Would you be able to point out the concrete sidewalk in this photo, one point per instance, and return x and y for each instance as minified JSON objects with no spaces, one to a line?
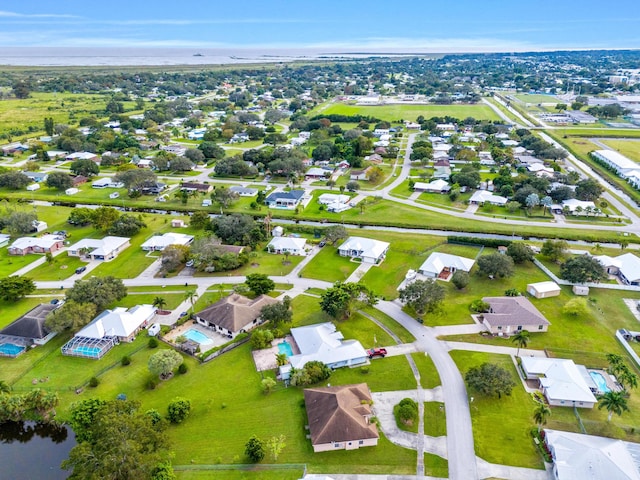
{"x":480,"y":347}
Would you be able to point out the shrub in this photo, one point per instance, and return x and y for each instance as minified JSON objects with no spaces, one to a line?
{"x":460,"y":279}
{"x":94,"y":382}
{"x":261,"y":339}
{"x":153,"y":342}
{"x":512,"y":292}
{"x":254,"y":449}
{"x":152,"y":383}
{"x":268,"y":384}
{"x":126,"y":360}
{"x":478,"y":306}
{"x":179,"y":410}
{"x":154,"y":415}
{"x":406,"y":411}
{"x":182,"y":369}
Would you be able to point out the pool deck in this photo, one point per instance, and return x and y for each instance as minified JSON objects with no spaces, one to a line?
{"x":266,"y":359}
{"x":216,"y":338}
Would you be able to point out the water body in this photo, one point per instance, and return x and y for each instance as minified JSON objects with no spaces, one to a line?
{"x":30,"y":450}
{"x":67,"y":56}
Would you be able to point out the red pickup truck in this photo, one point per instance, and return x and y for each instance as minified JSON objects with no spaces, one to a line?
{"x":377,"y":352}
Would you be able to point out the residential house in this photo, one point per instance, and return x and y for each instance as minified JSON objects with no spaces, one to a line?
{"x":14,"y":147}
{"x":575,"y":206}
{"x":107,"y":330}
{"x":322,"y":342}
{"x":290,"y":245}
{"x":105,"y":249}
{"x":106,"y":182}
{"x":540,"y":170}
{"x":360,"y":174}
{"x":244,"y":191}
{"x":157,"y":243}
{"x":375,"y":158}
{"x":626,"y":267}
{"x":329,"y":198}
{"x":340,"y":418}
{"x":4,"y":239}
{"x":446,"y":127}
{"x":175,"y":149}
{"x":481,"y":197}
{"x":196,"y":187}
{"x":442,"y":169}
{"x":580,"y":457}
{"x":37,"y":177}
{"x":441,"y":265}
{"x":436,"y":186}
{"x":44,"y":244}
{"x":288,"y":200}
{"x":509,"y":315}
{"x":82,"y":156}
{"x":366,"y":249}
{"x":624,"y":167}
{"x":79,"y":180}
{"x":543,"y":289}
{"x":30,"y":328}
{"x":563,"y":383}
{"x":234,"y":314}
{"x":316,"y":173}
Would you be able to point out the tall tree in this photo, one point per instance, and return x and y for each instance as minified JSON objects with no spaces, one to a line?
{"x":495,"y":265}
{"x":540,"y":414}
{"x":581,"y":269}
{"x":614,"y":402}
{"x":163,"y":362}
{"x":424,"y":296}
{"x":59,"y":180}
{"x":101,"y":291}
{"x":521,"y":338}
{"x":85,"y":167}
{"x":71,"y":316}
{"x":340,"y":300}
{"x":259,"y":283}
{"x":14,"y":288}
{"x":490,"y":379}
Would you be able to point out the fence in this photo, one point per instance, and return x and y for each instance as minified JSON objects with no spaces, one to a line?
{"x":627,"y":347}
{"x":610,"y":286}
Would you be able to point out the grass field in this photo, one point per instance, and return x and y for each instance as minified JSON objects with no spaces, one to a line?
{"x":329,"y":266}
{"x":510,"y":444}
{"x":62,"y":267}
{"x":628,"y":148}
{"x":537,"y":98}
{"x":30,"y":112}
{"x":397,"y":112}
{"x":12,"y":263}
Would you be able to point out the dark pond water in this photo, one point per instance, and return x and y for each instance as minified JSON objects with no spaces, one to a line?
{"x":31,"y":450}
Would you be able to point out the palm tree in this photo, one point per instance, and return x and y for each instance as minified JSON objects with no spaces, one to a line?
{"x":627,"y":378}
{"x":192,"y":296}
{"x":159,"y":303}
{"x":615,"y":363}
{"x":281,"y":359}
{"x":540,"y":414}
{"x":521,"y":339}
{"x":614,"y":402}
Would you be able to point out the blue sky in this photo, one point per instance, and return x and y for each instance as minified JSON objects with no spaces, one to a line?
{"x":328,"y":25}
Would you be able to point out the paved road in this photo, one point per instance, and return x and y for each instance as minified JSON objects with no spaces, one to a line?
{"x":460,"y":448}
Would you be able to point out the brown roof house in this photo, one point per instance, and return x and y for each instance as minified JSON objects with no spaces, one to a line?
{"x":234,"y":314}
{"x":339,"y":417}
{"x":509,"y":315}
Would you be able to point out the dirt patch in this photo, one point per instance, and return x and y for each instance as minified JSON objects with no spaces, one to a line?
{"x":255,"y":265}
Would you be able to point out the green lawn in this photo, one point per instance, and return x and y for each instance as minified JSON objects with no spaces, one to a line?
{"x":435,"y":422}
{"x":62,"y":267}
{"x":138,"y":298}
{"x":537,"y":98}
{"x":501,"y":426}
{"x":627,"y":147}
{"x":389,"y":373}
{"x":13,"y":310}
{"x":255,"y":473}
{"x":329,"y":266}
{"x":260,"y":261}
{"x":401,"y":332}
{"x":436,"y":466}
{"x":411,"y":112}
{"x":429,"y":377}
{"x":12,"y":263}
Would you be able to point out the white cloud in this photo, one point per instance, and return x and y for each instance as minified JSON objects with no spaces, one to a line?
{"x":6,"y":14}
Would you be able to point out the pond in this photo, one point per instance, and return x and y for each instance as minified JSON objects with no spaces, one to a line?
{"x":34,"y":450}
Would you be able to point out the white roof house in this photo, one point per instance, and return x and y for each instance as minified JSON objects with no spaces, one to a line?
{"x":437,"y":262}
{"x":367,"y":249}
{"x":627,"y":266}
{"x":329,"y":198}
{"x":438,"y":185}
{"x":322,"y":342}
{"x":616,"y":160}
{"x":106,"y":248}
{"x":106,"y":183}
{"x":119,"y":322}
{"x":581,"y":457}
{"x":45,"y":243}
{"x":563,"y":382}
{"x":160,"y":242}
{"x":484,"y":196}
{"x":544,"y":289}
{"x":291,"y":245}
{"x":574,"y":203}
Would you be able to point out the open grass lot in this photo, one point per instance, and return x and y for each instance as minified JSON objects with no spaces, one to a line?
{"x":62,"y":267}
{"x":628,"y":148}
{"x":435,"y":466}
{"x":18,"y":114}
{"x":254,"y":473}
{"x":397,"y":112}
{"x":384,"y":374}
{"x":12,"y":263}
{"x":510,"y":444}
{"x":138,"y":298}
{"x":329,"y":266}
{"x":401,"y":332}
{"x":537,"y":98}
{"x":358,"y":327}
{"x":429,"y":377}
{"x":261,"y":262}
{"x":596,"y":132}
{"x":435,"y":422}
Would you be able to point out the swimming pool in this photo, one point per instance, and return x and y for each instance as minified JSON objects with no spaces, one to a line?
{"x":88,"y":351}
{"x":600,"y":382}
{"x":197,"y":336}
{"x":284,"y":347}
{"x":11,"y":350}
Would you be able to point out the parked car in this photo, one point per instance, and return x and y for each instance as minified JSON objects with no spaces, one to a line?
{"x":184,"y":314}
{"x":322,"y":244}
{"x":80,"y":269}
{"x":377,"y":352}
{"x":189,"y":263}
